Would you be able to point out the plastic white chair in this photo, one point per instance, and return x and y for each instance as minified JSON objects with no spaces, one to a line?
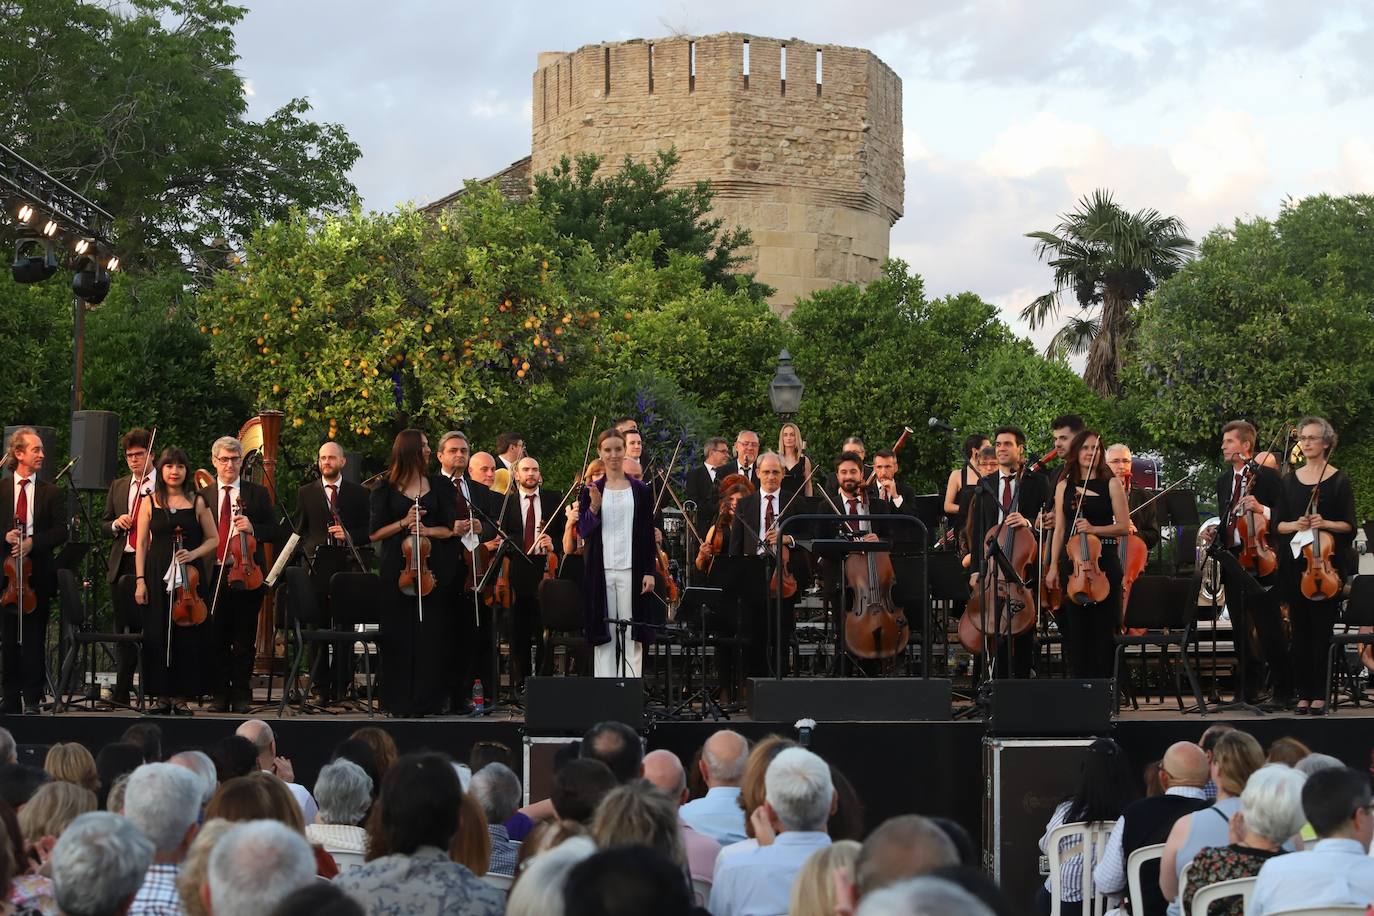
{"x":1090,"y":839}
{"x":1242,"y":887}
{"x":501,"y":882}
{"x":1343,"y":910}
{"x":346,"y":859}
{"x":701,"y":890}
{"x":1134,"y":861}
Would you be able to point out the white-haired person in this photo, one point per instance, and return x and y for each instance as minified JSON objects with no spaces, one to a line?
{"x":163,"y":800}
{"x":496,"y":789}
{"x":343,"y":792}
{"x":923,"y":896}
{"x":799,"y":798}
{"x":98,"y":866}
{"x":538,"y":890}
{"x":254,"y":866}
{"x":1270,"y":815}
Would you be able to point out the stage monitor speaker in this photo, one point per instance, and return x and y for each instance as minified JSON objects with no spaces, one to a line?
{"x":353,"y":467}
{"x":894,"y":699}
{"x":49,"y":437}
{"x":1050,"y":708}
{"x":95,"y":437}
{"x":571,"y":705}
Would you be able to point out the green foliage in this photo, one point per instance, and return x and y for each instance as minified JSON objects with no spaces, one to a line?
{"x":609,"y":210}
{"x":36,"y":351}
{"x":139,"y":107}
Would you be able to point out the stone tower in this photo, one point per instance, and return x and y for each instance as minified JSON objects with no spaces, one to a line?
{"x":802,"y":143}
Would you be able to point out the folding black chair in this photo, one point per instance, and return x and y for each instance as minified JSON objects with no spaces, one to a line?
{"x":74,"y":620}
{"x":355,"y":599}
{"x":306,"y":626}
{"x":1166,"y":608}
{"x":563,"y":623}
{"x":1359,"y":612}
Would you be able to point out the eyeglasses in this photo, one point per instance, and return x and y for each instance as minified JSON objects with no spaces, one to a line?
{"x":228,"y":459}
{"x":1311,"y":438}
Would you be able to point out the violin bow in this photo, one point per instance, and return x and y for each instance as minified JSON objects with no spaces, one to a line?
{"x":671,"y":461}
{"x":577,"y":480}
{"x":806,"y":482}
{"x":668,"y":486}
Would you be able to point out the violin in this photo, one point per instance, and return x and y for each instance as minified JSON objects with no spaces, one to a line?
{"x":715,"y":544}
{"x":664,"y":573}
{"x":19,"y":591}
{"x":501,"y":594}
{"x":244,"y":572}
{"x":1320,"y":580}
{"x":416,"y":577}
{"x":188,"y":607}
{"x":1007,"y":607}
{"x":1088,"y":584}
{"x":1255,"y":555}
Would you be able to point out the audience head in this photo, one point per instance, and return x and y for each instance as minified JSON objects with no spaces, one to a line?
{"x":751,"y":787}
{"x":1235,"y":755}
{"x":255,"y":865}
{"x":283,"y":805}
{"x":195,"y":868}
{"x":627,"y":881}
{"x":1287,"y":751}
{"x":924,"y":896}
{"x":902,"y":847}
{"x":471,"y":843}
{"x":420,"y":798}
{"x":383,"y":748}
{"x":1150,"y":775}
{"x":343,"y":792}
{"x":1315,"y":763}
{"x":548,"y":835}
{"x":264,"y":742}
{"x":1336,"y":803}
{"x":234,"y":756}
{"x":359,"y":752}
{"x":723,"y":757}
{"x":318,"y":899}
{"x":1272,"y":802}
{"x":18,"y":782}
{"x":148,"y":737}
{"x":496,"y":789}
{"x":798,"y":791}
{"x":1105,"y":786}
{"x":1184,"y":764}
{"x":813,"y":890}
{"x":664,"y":771}
{"x":485,"y":752}
{"x":163,"y":800}
{"x":113,"y":761}
{"x":616,"y":745}
{"x":539,"y":890}
{"x":71,"y":762}
{"x":579,"y":787}
{"x":199,"y":763}
{"x":52,"y":808}
{"x":9,"y":750}
{"x":114,"y":801}
{"x":637,"y":814}
{"x":980,"y":884}
{"x":240,"y":799}
{"x":847,"y":818}
{"x":98,"y":865}
{"x":963,"y":842}
{"x":1210,"y":736}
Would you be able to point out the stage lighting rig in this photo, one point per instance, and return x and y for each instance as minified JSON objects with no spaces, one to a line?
{"x":30,"y":266}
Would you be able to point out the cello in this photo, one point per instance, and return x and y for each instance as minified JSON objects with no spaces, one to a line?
{"x":1007,"y":607}
{"x":875,"y":626}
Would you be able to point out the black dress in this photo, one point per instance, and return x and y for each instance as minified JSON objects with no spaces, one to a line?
{"x":1088,"y":629}
{"x":1312,"y":621}
{"x":415,"y":653}
{"x":191,"y":648}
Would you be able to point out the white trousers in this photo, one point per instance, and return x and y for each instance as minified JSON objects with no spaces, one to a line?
{"x":620,"y":599}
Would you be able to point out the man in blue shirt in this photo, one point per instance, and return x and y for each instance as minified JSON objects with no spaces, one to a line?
{"x":1337,"y":871}
{"x":799,"y":799}
{"x":717,"y":814}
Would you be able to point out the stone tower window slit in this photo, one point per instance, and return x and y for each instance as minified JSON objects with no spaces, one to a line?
{"x":651,"y":69}
{"x":746,"y":63}
{"x":819,"y":63}
{"x":544,"y":91}
{"x":691,"y":66}
{"x":606,"y":68}
{"x":782,"y":67}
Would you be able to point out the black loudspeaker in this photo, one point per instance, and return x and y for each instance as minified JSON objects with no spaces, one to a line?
{"x":95,"y":437}
{"x":49,"y":437}
{"x":353,"y":467}
{"x":1050,"y":708}
{"x":571,"y":705}
{"x":897,"y":699}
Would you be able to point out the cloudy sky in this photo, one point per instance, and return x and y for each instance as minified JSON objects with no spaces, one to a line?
{"x":1013,"y":109}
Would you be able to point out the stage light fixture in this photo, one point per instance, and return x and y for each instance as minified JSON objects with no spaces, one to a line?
{"x":25,"y":213}
{"x":81,"y":247}
{"x":90,"y":282}
{"x":113,"y":263}
{"x":50,"y":228}
{"x":29,"y":267}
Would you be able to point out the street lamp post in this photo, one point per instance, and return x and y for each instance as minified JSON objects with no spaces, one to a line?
{"x":785,"y":390}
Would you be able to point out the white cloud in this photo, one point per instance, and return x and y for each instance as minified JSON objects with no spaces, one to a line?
{"x":914,"y":149}
{"x":1354,"y":172}
{"x":1043,"y":141}
{"x":1222,"y":154}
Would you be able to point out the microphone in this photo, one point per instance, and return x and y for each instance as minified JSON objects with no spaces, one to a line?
{"x":941,"y":425}
{"x":1043,"y":459}
{"x":689,"y":504}
{"x":70,"y":465}
{"x":804,"y":729}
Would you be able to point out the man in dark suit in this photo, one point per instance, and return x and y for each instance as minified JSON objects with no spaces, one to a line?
{"x":471,"y":619}
{"x":34,"y":526}
{"x":1250,"y":488}
{"x":121,"y":511}
{"x":537,"y":531}
{"x":235,"y":620}
{"x":886,"y":487}
{"x":1145,"y":522}
{"x":703,"y":482}
{"x":746,"y":454}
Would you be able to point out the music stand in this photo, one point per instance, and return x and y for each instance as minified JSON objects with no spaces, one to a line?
{"x":699,"y":601}
{"x":1233,"y":574}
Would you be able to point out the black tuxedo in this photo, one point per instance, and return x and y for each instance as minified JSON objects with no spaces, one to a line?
{"x":24,"y":666}
{"x":116,"y":504}
{"x":1267,"y":487}
{"x":732,"y":467}
{"x":236,"y":612}
{"x":907,"y":494}
{"x":313,"y":517}
{"x":525,"y":578}
{"x":121,"y":563}
{"x":751,"y":591}
{"x":473,"y":640}
{"x":1146,"y":520}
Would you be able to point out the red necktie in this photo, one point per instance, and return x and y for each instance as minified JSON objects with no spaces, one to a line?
{"x":333,"y":498}
{"x":529,"y":522}
{"x":138,"y":498}
{"x":225,"y":510}
{"x":1235,"y":498}
{"x":21,"y":510}
{"x":768,"y":516}
{"x":1006,"y":494}
{"x":462,"y":500}
{"x":854,"y":510}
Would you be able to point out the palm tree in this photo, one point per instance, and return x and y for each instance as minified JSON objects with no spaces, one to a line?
{"x":1108,"y":260}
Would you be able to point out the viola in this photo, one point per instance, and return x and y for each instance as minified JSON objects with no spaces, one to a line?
{"x":1255,"y":555}
{"x":1088,"y":584}
{"x":706,"y":558}
{"x":666,"y":574}
{"x":1051,"y":595}
{"x":416,"y":577}
{"x":188,"y":607}
{"x":244,"y":572}
{"x":501,"y":594}
{"x":789,"y":581}
{"x":1320,"y":580}
{"x":19,"y":591}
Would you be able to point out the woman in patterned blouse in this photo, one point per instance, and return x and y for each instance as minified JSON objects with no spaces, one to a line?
{"x":1270,"y":815}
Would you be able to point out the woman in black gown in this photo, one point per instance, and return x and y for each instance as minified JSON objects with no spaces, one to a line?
{"x":1088,"y":629}
{"x":415,"y":650}
{"x":172,"y":673}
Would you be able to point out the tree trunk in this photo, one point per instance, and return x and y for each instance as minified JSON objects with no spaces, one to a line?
{"x":1103,"y":371}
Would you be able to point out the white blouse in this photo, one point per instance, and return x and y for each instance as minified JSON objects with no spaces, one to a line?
{"x":617,"y":525}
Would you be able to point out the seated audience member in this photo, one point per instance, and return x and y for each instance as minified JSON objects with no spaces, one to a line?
{"x":980,"y":884}
{"x":847,"y":820}
{"x":254,"y":866}
{"x":1270,"y":815}
{"x":383,"y":749}
{"x":195,"y":868}
{"x":1207,"y":742}
{"x":9,"y":748}
{"x":496,"y":789}
{"x":52,"y":808}
{"x":163,"y":800}
{"x":485,"y":752}
{"x":1149,"y":820}
{"x":199,"y":763}
{"x":262,"y":796}
{"x":1235,"y":756}
{"x":98,"y":865}
{"x":71,"y":762}
{"x":924,"y":896}
{"x":961,"y":838}
{"x":358,"y":751}
{"x":318,"y":900}
{"x":343,"y":793}
{"x":718,"y":814}
{"x":616,"y":745}
{"x":664,"y":771}
{"x":471,"y":843}
{"x":18,"y":782}
{"x":798,"y":800}
{"x":637,"y":814}
{"x":538,"y":891}
{"x":1150,"y":776}
{"x":546,"y":836}
{"x":114,"y":802}
{"x":265,"y":743}
{"x":234,"y":756}
{"x":418,"y":815}
{"x":148,"y":737}
{"x":627,"y":881}
{"x":113,"y":761}
{"x":1287,"y":751}
{"x":29,"y":890}
{"x":1338,"y":870}
{"x":579,"y":787}
{"x":751,"y":790}
{"x":1106,"y":786}
{"x":900,"y":848}
{"x":1315,"y":763}
{"x":813,"y":893}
